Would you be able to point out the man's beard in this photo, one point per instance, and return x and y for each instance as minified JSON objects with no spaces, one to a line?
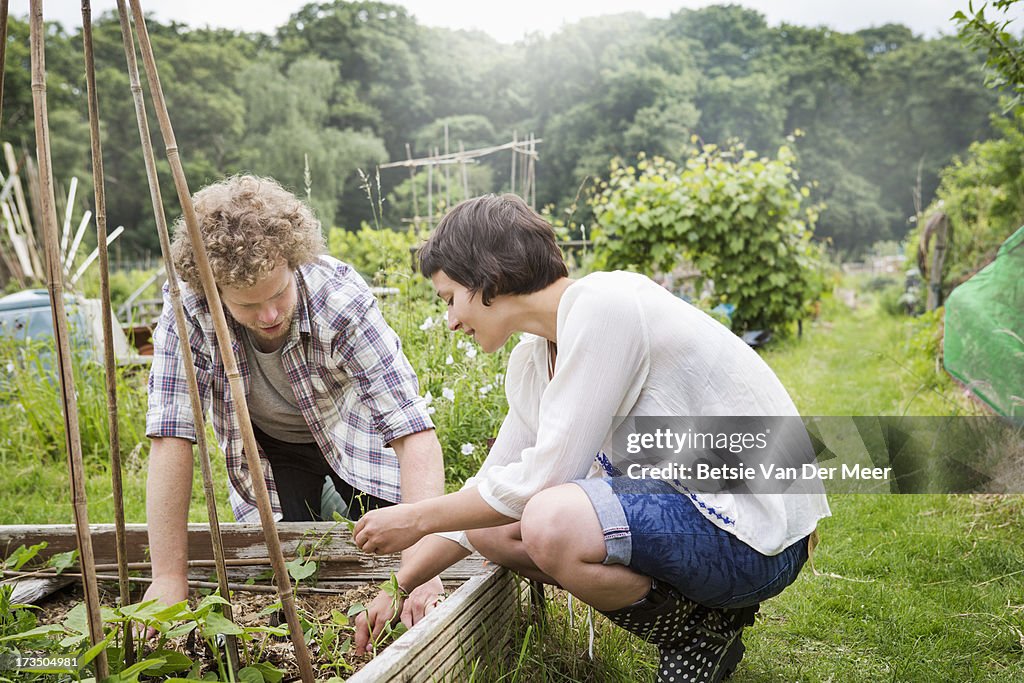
{"x":286,"y":324}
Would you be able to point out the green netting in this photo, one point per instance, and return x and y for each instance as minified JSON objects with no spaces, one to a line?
{"x":984,"y":332}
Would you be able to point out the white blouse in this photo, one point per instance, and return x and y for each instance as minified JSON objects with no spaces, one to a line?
{"x":629,"y":348}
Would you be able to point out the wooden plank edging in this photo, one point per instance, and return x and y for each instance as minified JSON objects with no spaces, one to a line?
{"x":463,"y":625}
{"x":343,"y":561}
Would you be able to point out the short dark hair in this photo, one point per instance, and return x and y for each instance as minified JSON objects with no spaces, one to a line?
{"x":494,"y":244}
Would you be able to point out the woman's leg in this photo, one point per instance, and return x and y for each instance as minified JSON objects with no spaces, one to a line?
{"x":503,"y":545}
{"x":562,"y":536}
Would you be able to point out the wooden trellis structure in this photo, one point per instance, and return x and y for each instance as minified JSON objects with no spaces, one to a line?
{"x":55,"y":285}
{"x":523,"y":173}
{"x":459,"y":631}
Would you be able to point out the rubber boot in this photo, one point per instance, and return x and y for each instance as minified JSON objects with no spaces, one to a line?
{"x":696,"y":644}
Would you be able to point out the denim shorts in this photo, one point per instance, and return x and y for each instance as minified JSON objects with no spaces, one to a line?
{"x":657,"y":531}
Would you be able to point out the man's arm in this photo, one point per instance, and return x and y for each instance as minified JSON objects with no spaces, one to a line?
{"x":422,"y":466}
{"x":168,"y":493}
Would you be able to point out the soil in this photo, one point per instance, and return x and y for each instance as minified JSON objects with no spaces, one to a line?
{"x":247,"y":610}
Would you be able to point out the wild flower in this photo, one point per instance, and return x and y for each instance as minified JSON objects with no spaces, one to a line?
{"x":485,"y":389}
{"x":428,"y":323}
{"x":471,"y":352}
{"x":449,"y":360}
{"x":468,"y":448}
{"x":448,"y":394}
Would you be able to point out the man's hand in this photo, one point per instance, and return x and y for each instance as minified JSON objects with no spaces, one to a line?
{"x":168,"y":590}
{"x":381,"y":612}
{"x":388,"y":530}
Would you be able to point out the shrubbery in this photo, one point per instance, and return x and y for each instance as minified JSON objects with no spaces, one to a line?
{"x":739,"y":218}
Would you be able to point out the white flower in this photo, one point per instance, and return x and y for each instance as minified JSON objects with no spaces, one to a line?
{"x":471,"y":352}
{"x":431,"y":410}
{"x":446,"y":317}
{"x":499,"y":378}
{"x":462,"y":344}
{"x":428,"y":323}
{"x":468,"y":448}
{"x":449,"y":360}
{"x":486,"y":389}
{"x":428,"y":398}
{"x":448,"y":394}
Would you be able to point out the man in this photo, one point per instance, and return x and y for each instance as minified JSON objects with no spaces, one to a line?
{"x":332,"y":398}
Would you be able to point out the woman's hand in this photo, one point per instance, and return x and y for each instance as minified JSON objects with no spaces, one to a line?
{"x":388,"y":530}
{"x":385,"y":609}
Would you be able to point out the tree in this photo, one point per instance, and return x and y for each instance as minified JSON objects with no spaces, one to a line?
{"x":287,"y":128}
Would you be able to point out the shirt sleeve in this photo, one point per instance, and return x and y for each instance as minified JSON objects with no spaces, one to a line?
{"x":603,"y":361}
{"x":515,"y":433}
{"x":169,"y":412}
{"x":370,"y":352}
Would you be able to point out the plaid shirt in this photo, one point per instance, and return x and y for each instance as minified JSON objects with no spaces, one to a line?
{"x":352,"y":382}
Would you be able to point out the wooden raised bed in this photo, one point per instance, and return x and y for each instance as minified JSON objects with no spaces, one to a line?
{"x":473,"y":620}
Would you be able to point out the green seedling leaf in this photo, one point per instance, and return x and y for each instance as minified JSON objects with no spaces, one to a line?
{"x":218,"y":624}
{"x":175,"y":612}
{"x":38,"y":632}
{"x":339,"y":618}
{"x":22,"y":555}
{"x":181,"y":630}
{"x":62,"y":561}
{"x":131,"y":674}
{"x":280,"y":631}
{"x":249,"y":674}
{"x":338,"y":517}
{"x":270,"y":609}
{"x":271,"y":674}
{"x":174,"y":662}
{"x":93,"y":651}
{"x":208,"y":603}
{"x":356,"y":609}
{"x":300,"y":569}
{"x":143,"y":611}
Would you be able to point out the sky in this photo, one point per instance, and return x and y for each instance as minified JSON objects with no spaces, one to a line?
{"x":511,"y":20}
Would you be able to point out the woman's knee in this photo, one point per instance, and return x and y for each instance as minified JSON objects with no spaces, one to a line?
{"x":551,"y":525}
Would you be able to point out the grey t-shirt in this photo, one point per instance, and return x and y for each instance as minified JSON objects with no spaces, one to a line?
{"x":272,"y":404}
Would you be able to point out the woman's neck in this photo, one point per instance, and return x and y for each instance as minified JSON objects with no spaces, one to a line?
{"x":537,"y":313}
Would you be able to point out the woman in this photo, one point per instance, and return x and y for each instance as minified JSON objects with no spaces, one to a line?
{"x":683,"y":569}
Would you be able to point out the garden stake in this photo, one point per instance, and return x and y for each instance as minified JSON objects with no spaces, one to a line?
{"x":55,"y":286}
{"x":108,"y":341}
{"x":3,"y":54}
{"x":239,"y":587}
{"x":174,"y":293}
{"x":251,"y":450}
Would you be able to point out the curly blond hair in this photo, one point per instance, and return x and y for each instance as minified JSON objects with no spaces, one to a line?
{"x":250,"y":225}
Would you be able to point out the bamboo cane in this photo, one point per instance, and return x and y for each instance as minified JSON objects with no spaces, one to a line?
{"x":174,"y":294}
{"x":512,"y":173}
{"x":412,"y":184}
{"x":243,"y":587}
{"x":108,"y":341}
{"x":192,"y":564}
{"x":227,"y":354}
{"x":3,"y":54}
{"x":26,"y":219}
{"x":67,"y":381}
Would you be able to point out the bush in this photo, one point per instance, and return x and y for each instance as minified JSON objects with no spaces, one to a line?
{"x":739,"y":218}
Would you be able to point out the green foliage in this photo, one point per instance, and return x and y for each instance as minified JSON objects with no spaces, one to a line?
{"x":739,"y":218}
{"x":983,"y":196}
{"x":376,"y":253}
{"x":1004,"y":51}
{"x":31,"y":410}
